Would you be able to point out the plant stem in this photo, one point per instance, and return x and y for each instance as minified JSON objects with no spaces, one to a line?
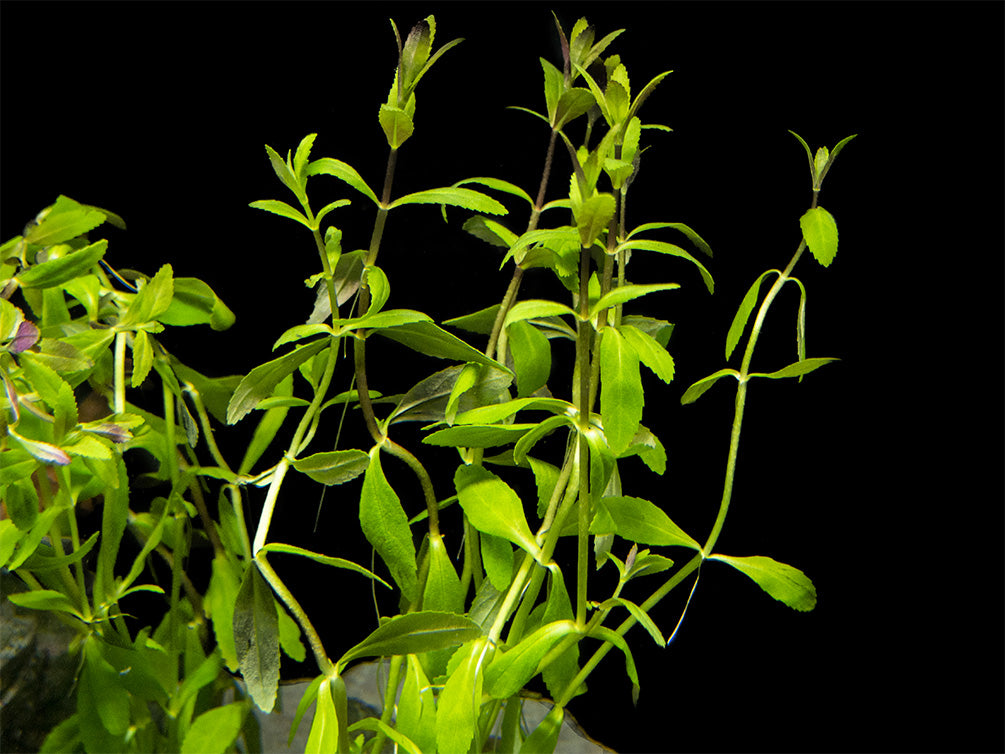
{"x":120,"y":372}
{"x":583,"y":338}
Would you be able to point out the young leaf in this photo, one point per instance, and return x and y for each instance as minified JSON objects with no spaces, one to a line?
{"x":617,"y":640}
{"x":624,"y":293}
{"x":143,"y":358}
{"x":323,"y":738}
{"x":460,"y":700}
{"x":323,"y":559}
{"x":66,"y":219}
{"x":300,"y":158}
{"x":261,"y":381}
{"x":457,"y":197}
{"x":58,"y":271}
{"x":535,"y":309}
{"x":497,"y":557}
{"x":416,"y":716}
{"x":698,"y":389}
{"x":640,"y":615}
{"x":333,"y":467}
{"x":256,"y":634}
{"x":344,"y":172}
{"x":676,"y":251}
{"x":195,"y":303}
{"x":544,"y":738}
{"x":640,"y":521}
{"x":282,"y":209}
{"x":414,"y":633}
{"x":427,"y":338}
{"x":593,"y":216}
{"x":820,"y":231}
{"x":397,"y":125}
{"x":531,"y":357}
{"x":621,"y":396}
{"x":796,"y":370}
{"x":385,"y":526}
{"x":743,"y":313}
{"x":783,"y":582}
{"x":45,"y":599}
{"x":443,"y":587}
{"x":509,"y":672}
{"x":493,"y":507}
{"x":214,"y":731}
{"x":649,"y":351}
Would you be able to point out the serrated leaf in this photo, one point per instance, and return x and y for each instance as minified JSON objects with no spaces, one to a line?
{"x":662,"y":247}
{"x":783,"y":582}
{"x":333,"y":467}
{"x":283,"y":171}
{"x":344,"y":172}
{"x":478,"y":436}
{"x":701,"y":386}
{"x":256,"y":635}
{"x":282,"y":209}
{"x":143,"y":358}
{"x":820,"y":231}
{"x":492,"y":506}
{"x":45,"y":599}
{"x":640,"y":521}
{"x":624,"y":293}
{"x":385,"y":526}
{"x":621,"y":396}
{"x":454,"y":196}
{"x":65,"y":220}
{"x":427,"y":338}
{"x":300,"y":158}
{"x":397,"y":125}
{"x":743,"y":313}
{"x":58,"y":271}
{"x":490,"y":231}
{"x":43,"y":451}
{"x":796,"y":369}
{"x":649,"y":351}
{"x":414,"y":633}
{"x":682,"y":228}
{"x":261,"y":381}
{"x":535,"y":309}
{"x":593,"y":216}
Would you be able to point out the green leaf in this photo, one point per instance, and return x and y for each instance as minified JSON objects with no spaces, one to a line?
{"x":344,"y":172}
{"x":624,"y":293}
{"x":63,"y":269}
{"x":224,"y":585}
{"x":195,"y":303}
{"x":102,"y":683}
{"x":480,"y":322}
{"x":649,"y":351}
{"x":324,"y":735}
{"x":497,"y":557}
{"x":143,"y":358}
{"x":284,"y":172}
{"x":282,"y":209}
{"x":640,"y":521}
{"x":821,"y":234}
{"x":618,"y":641}
{"x":414,"y":633}
{"x":215,"y":730}
{"x":498,"y":412}
{"x":45,"y":599}
{"x":509,"y":672}
{"x":535,"y":309}
{"x":698,"y":389}
{"x":686,"y":230}
{"x":478,"y":436}
{"x":427,"y":338}
{"x":152,"y":300}
{"x":416,"y":714}
{"x":499,"y":185}
{"x":621,"y":396}
{"x":544,"y":738}
{"x":640,"y":615}
{"x":743,"y":313}
{"x":333,"y":467}
{"x":593,"y":216}
{"x":301,"y":156}
{"x":490,"y":231}
{"x":66,"y":219}
{"x":676,"y":251}
{"x":385,"y":526}
{"x":289,"y":635}
{"x":443,"y":587}
{"x":457,"y":197}
{"x":261,"y":381}
{"x":256,"y":634}
{"x":460,"y":700}
{"x":493,"y":507}
{"x":573,"y":103}
{"x":397,"y":125}
{"x":531,"y":357}
{"x":797,"y":369}
{"x":554,"y":84}
{"x":323,"y":559}
{"x":783,"y":582}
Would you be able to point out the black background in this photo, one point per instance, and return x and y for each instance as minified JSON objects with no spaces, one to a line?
{"x":879,"y":476}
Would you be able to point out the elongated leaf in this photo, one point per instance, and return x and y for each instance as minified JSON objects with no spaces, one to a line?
{"x":480,"y":322}
{"x":454,"y":196}
{"x":301,"y":156}
{"x":397,"y":125}
{"x":323,"y":559}
{"x":282,"y":209}
{"x":103,"y":684}
{"x":499,"y":185}
{"x":195,"y":303}
{"x":821,"y":234}
{"x":333,"y":467}
{"x":640,"y":521}
{"x":509,"y":672}
{"x":460,"y":700}
{"x":323,"y":738}
{"x":531,"y":353}
{"x":414,"y":633}
{"x":45,"y":599}
{"x":649,"y":351}
{"x":671,"y":249}
{"x":535,"y":309}
{"x":544,"y":738}
{"x":214,"y":731}
{"x":492,"y":506}
{"x":502,"y":411}
{"x":478,"y":436}
{"x":686,"y":230}
{"x":617,"y":640}
{"x":261,"y":381}
{"x":58,"y":271}
{"x":344,"y":172}
{"x":497,"y":557}
{"x":593,"y":217}
{"x":640,"y":615}
{"x":443,"y":587}
{"x":66,"y":219}
{"x":621,"y":396}
{"x":795,"y":370}
{"x":385,"y":526}
{"x":427,"y":338}
{"x":416,"y":716}
{"x":553,"y":238}
{"x":743,"y":313}
{"x":783,"y":582}
{"x":625,"y":293}
{"x":698,"y":389}
{"x":256,"y":634}
{"x":543,"y":429}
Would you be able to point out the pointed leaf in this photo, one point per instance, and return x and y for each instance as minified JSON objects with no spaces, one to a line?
{"x":344,"y":172}
{"x":821,"y":234}
{"x":509,"y":672}
{"x":333,"y":467}
{"x":414,"y":633}
{"x":261,"y":381}
{"x":397,"y":125}
{"x":282,"y":209}
{"x":531,"y":354}
{"x":443,"y":587}
{"x":323,"y":738}
{"x":535,"y":309}
{"x":385,"y":526}
{"x":676,"y":251}
{"x":783,"y":582}
{"x":593,"y":217}
{"x":642,"y":522}
{"x":649,"y":351}
{"x":624,"y":293}
{"x":63,"y":269}
{"x":621,"y":396}
{"x":797,"y":369}
{"x":460,"y":701}
{"x":698,"y":389}
{"x":544,"y":738}
{"x":195,"y":303}
{"x":256,"y":634}
{"x":640,"y":615}
{"x":478,"y":436}
{"x":493,"y":507}
{"x":66,"y":219}
{"x":427,"y":338}
{"x":743,"y":313}
{"x":215,"y":730}
{"x":323,"y":559}
{"x":454,"y":196}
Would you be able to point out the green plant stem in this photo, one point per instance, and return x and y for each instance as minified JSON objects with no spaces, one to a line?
{"x":324,"y":664}
{"x":120,"y":373}
{"x":427,"y":484}
{"x":169,"y":434}
{"x":583,"y":333}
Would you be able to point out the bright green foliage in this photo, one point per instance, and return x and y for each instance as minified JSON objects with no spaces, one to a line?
{"x":385,"y":525}
{"x":783,"y":582}
{"x":821,"y":234}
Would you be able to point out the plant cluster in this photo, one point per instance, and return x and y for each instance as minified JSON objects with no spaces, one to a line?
{"x":468,"y":636}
